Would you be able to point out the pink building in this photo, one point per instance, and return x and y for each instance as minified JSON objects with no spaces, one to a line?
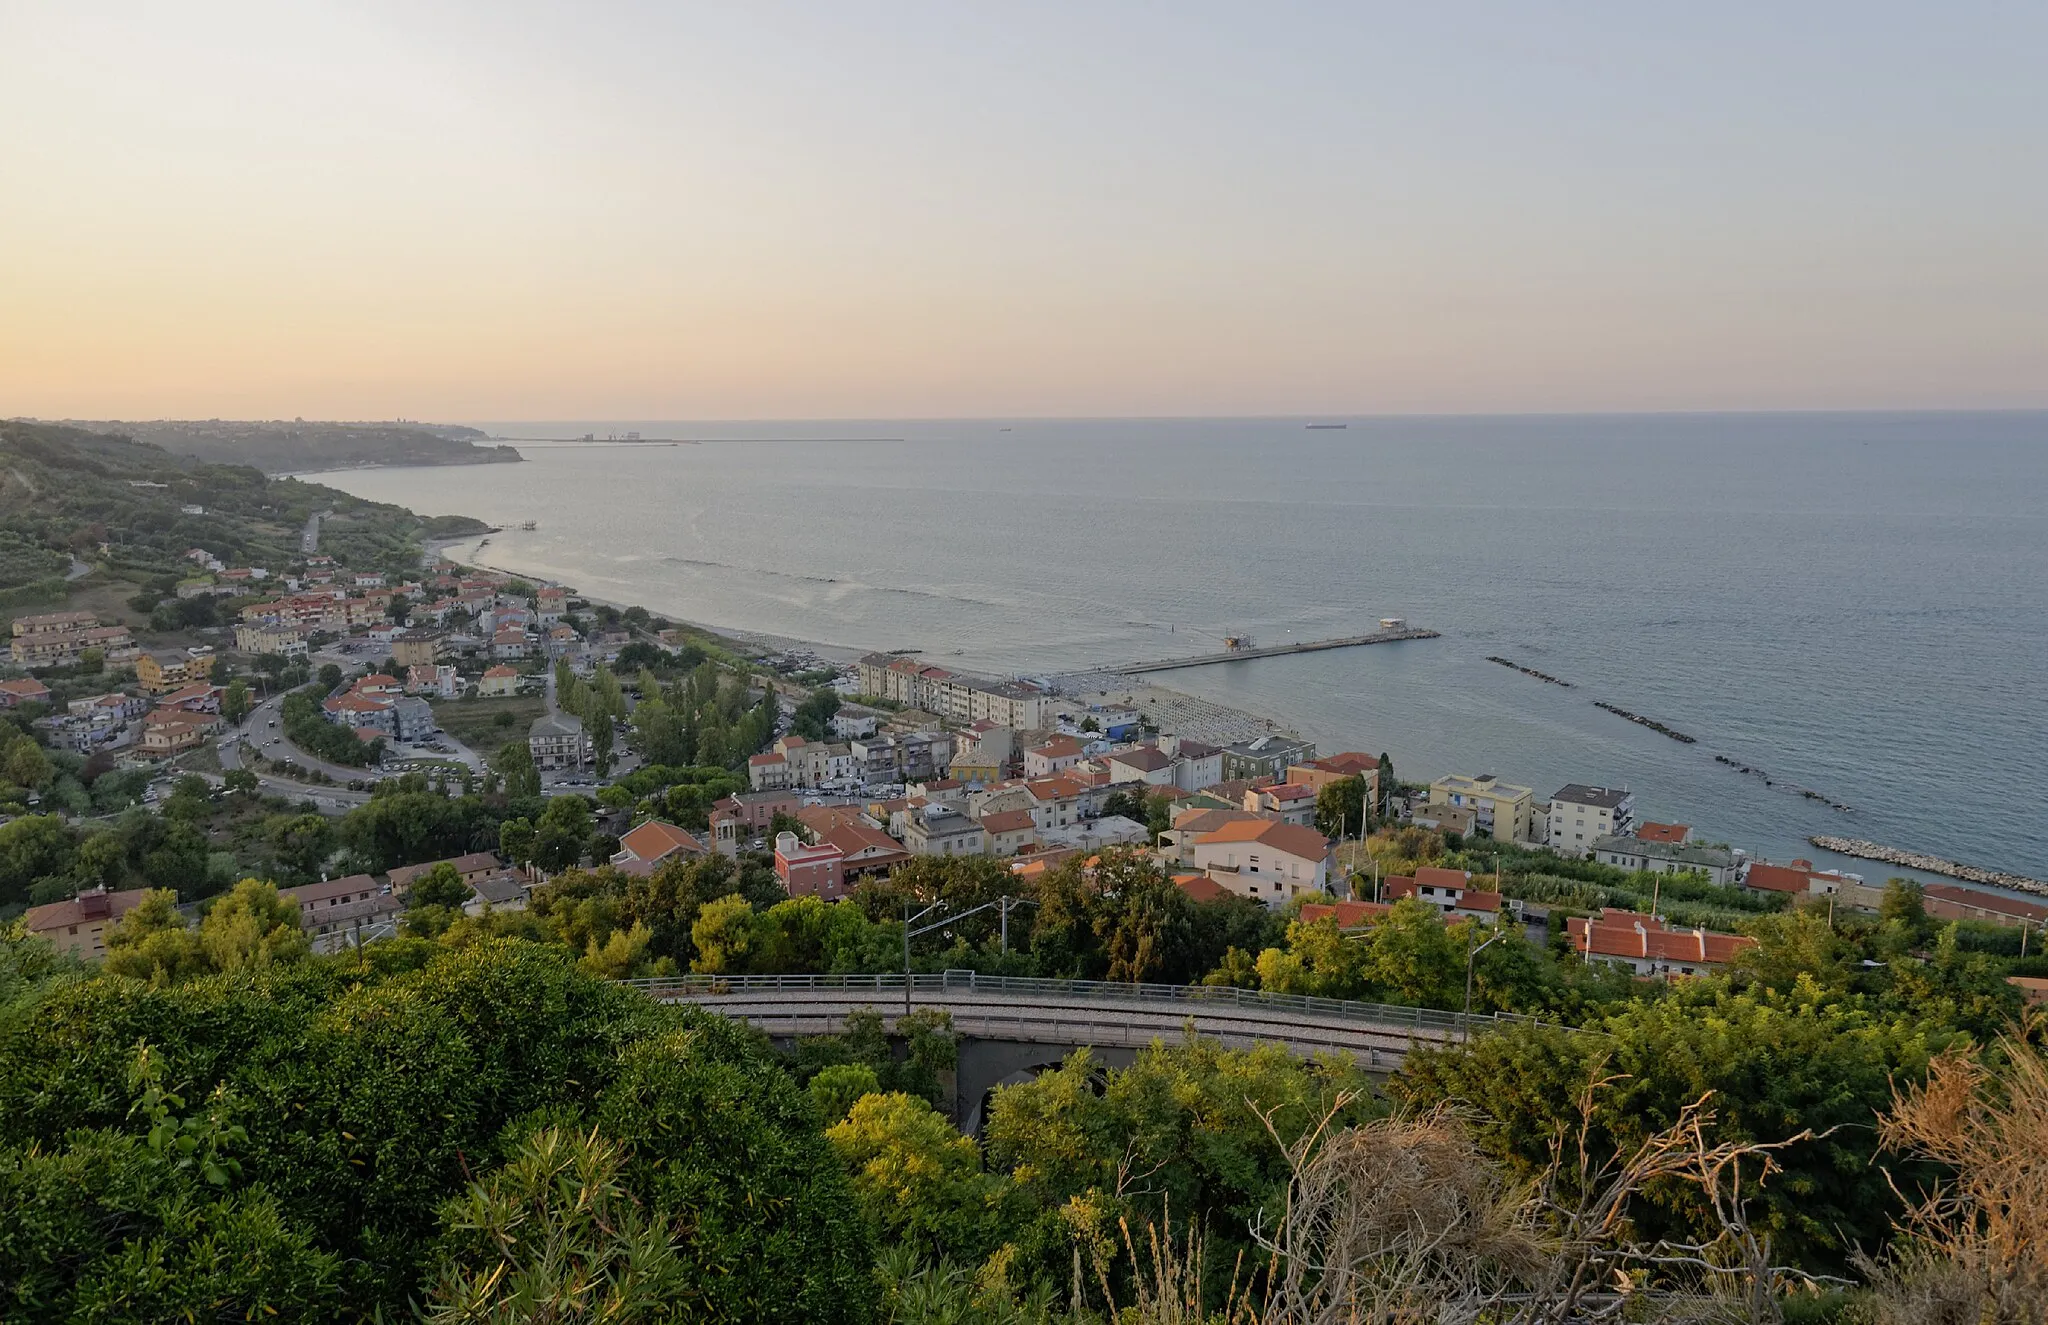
{"x":809,"y":871}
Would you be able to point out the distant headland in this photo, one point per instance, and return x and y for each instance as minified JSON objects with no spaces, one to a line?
{"x":289,"y":446}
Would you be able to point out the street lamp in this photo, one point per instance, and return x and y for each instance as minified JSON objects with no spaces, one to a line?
{"x":1472,"y":956}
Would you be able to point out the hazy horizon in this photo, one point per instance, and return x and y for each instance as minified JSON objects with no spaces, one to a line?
{"x":913,"y":210}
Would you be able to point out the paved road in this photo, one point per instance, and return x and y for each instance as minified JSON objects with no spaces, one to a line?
{"x":79,"y":570}
{"x":1077,"y":1012}
{"x":336,"y":799}
{"x":270,"y":742}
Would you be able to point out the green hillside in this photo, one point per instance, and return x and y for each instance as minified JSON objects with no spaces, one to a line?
{"x":131,"y":511}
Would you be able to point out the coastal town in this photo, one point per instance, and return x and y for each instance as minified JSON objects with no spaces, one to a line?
{"x":908,"y":760}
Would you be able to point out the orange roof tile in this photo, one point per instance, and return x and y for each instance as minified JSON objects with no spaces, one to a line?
{"x":1293,"y":839}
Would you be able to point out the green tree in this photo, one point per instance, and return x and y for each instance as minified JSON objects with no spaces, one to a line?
{"x":515,"y":840}
{"x":153,"y":943}
{"x":1772,"y":1066}
{"x":514,"y":764}
{"x":439,"y":886}
{"x":33,"y":847}
{"x":25,"y":765}
{"x":302,"y":843}
{"x":1904,"y":907}
{"x":835,"y":1088}
{"x":556,"y":1235}
{"x":1340,"y":808}
{"x":597,"y":724}
{"x":724,"y":936}
{"x":1387,"y":786}
{"x":239,"y":782}
{"x":562,"y":834}
{"x":917,"y":1178}
{"x":235,"y":702}
{"x":252,"y":927}
{"x":330,"y":676}
{"x":813,"y":716}
{"x":102,"y":860}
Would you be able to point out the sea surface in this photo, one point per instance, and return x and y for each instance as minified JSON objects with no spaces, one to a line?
{"x":1854,"y":603}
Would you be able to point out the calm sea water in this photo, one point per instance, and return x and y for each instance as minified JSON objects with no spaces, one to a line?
{"x":1853,"y":603}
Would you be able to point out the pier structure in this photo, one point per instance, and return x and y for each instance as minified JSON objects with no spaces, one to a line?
{"x":1268,"y":651}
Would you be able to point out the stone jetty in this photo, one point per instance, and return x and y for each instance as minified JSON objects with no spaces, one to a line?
{"x":1642,"y":721}
{"x":1914,"y":860}
{"x":1528,"y":671}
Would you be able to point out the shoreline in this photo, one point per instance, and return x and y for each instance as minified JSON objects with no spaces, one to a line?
{"x":1189,"y":714}
{"x":1183,"y":712}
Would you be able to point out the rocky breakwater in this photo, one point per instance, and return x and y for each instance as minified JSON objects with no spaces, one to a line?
{"x":1793,"y":787}
{"x":1914,"y":860}
{"x":1528,"y":671}
{"x":1642,"y":721}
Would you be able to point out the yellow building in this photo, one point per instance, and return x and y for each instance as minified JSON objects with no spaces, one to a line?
{"x":161,"y":672}
{"x":1504,"y":811}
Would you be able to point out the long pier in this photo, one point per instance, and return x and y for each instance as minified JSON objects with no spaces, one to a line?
{"x":1268,"y":651}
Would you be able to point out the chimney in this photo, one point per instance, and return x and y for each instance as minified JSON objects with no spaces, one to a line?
{"x":1643,"y":937}
{"x":93,"y":904}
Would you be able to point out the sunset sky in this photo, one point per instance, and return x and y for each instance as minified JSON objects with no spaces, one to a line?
{"x":666,"y":210}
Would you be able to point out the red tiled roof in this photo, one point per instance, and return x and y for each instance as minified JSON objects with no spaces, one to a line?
{"x":1986,"y":901}
{"x":1777,"y":878}
{"x":1293,"y":839}
{"x":1200,"y":887}
{"x":1350,"y":763}
{"x":501,"y":670}
{"x":655,"y":840}
{"x":1348,"y":915}
{"x":1434,"y":876}
{"x":1289,"y":791}
{"x":764,"y":760}
{"x":1007,"y":821}
{"x":1648,"y":939}
{"x":1145,"y":758}
{"x":313,"y":894}
{"x":79,"y":911}
{"x":1208,"y":821}
{"x":1649,"y":832}
{"x":1055,"y":788}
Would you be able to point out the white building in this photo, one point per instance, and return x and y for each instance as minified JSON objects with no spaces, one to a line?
{"x":1581,"y":815}
{"x":1261,"y":859}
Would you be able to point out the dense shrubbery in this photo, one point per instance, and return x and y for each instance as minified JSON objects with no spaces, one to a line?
{"x":343,"y":1116}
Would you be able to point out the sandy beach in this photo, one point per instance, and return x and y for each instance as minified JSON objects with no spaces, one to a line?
{"x":1170,"y":710}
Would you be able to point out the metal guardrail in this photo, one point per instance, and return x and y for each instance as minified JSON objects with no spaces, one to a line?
{"x":1193,"y":998}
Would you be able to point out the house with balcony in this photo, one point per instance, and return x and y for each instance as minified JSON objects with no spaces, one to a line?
{"x":1267,"y":861}
{"x":1054,"y":757}
{"x":558,"y":741}
{"x":1500,"y":810}
{"x":1580,"y":815}
{"x":1289,"y":802}
{"x":940,"y":830}
{"x":498,"y":682}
